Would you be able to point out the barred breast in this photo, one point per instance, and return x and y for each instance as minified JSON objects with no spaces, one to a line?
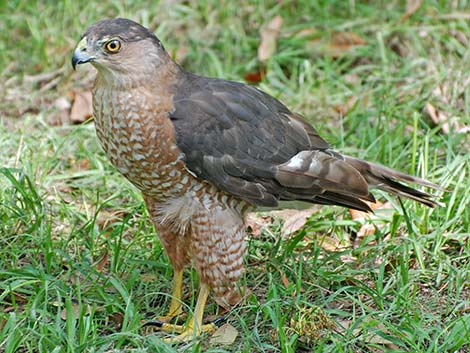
{"x":138,"y":139}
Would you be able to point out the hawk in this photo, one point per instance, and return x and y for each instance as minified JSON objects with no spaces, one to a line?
{"x":203,"y":151}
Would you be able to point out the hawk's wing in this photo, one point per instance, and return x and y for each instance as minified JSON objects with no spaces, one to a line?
{"x":250,"y":145}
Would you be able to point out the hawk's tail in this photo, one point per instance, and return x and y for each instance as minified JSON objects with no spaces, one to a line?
{"x":389,"y":180}
{"x":326,"y":177}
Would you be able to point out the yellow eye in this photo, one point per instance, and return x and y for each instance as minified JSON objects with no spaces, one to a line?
{"x":113,"y":46}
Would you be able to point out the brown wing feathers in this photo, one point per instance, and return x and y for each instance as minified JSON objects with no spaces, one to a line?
{"x":249,"y":144}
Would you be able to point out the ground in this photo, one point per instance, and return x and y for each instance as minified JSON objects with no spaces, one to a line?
{"x":80,"y":264}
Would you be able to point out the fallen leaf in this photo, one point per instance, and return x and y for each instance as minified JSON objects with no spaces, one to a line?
{"x":100,"y":263}
{"x":343,"y":109}
{"x":411,"y":7}
{"x":371,"y":224}
{"x":255,"y":223}
{"x":460,"y":36}
{"x":82,"y":108}
{"x":360,"y":215}
{"x":294,"y":220}
{"x":269,"y":35}
{"x":306,"y":34}
{"x":225,"y":334}
{"x":256,"y":76}
{"x":341,"y":42}
{"x":285,"y":280}
{"x":76,"y":310}
{"x":84,"y":164}
{"x":398,"y":44}
{"x":116,"y":319}
{"x":332,"y":244}
{"x":347,"y":39}
{"x":439,"y":118}
{"x":368,"y":333}
{"x":338,"y":44}
{"x":107,"y":218}
{"x":17,"y":298}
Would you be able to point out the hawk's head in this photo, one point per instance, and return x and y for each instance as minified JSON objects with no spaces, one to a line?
{"x":119,"y":46}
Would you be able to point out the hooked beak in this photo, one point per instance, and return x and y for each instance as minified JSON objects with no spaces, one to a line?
{"x":80,"y":55}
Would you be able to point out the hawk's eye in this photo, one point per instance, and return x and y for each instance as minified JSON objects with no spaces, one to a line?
{"x":113,"y":46}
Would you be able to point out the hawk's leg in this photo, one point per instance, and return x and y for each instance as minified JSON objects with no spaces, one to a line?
{"x":176,"y":303}
{"x":194,"y":326}
{"x":176,"y":247}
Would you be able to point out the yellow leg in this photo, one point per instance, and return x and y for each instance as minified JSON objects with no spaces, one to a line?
{"x":194,"y":326}
{"x":175,"y":304}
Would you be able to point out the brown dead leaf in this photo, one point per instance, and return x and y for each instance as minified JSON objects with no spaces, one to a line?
{"x":293,"y":219}
{"x":341,"y":42}
{"x":448,"y":124}
{"x":19,"y":301}
{"x":285,"y":280}
{"x":347,"y":39}
{"x":116,"y":319}
{"x":84,"y":164}
{"x":82,"y":108}
{"x":17,"y":298}
{"x":440,"y":118}
{"x":307,"y":34}
{"x":225,"y":334}
{"x":338,"y":44}
{"x":75,"y":309}
{"x":411,"y":7}
{"x":106,"y":218}
{"x":344,"y":108}
{"x":460,"y":36}
{"x":256,"y":76}
{"x":369,"y":227}
{"x":360,"y":215}
{"x":296,"y":221}
{"x":255,"y":223}
{"x":332,"y":244}
{"x":368,"y":335}
{"x":398,"y":43}
{"x":101,"y":263}
{"x":269,"y":35}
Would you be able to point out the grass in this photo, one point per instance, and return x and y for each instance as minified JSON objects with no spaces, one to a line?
{"x":80,"y":264}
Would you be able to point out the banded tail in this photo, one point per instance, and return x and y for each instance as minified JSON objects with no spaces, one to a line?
{"x":327,"y":177}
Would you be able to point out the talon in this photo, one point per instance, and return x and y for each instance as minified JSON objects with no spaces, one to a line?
{"x":194,"y":327}
{"x":220,"y":321}
{"x":189,"y":333}
{"x":169,"y":318}
{"x":156,"y":323}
